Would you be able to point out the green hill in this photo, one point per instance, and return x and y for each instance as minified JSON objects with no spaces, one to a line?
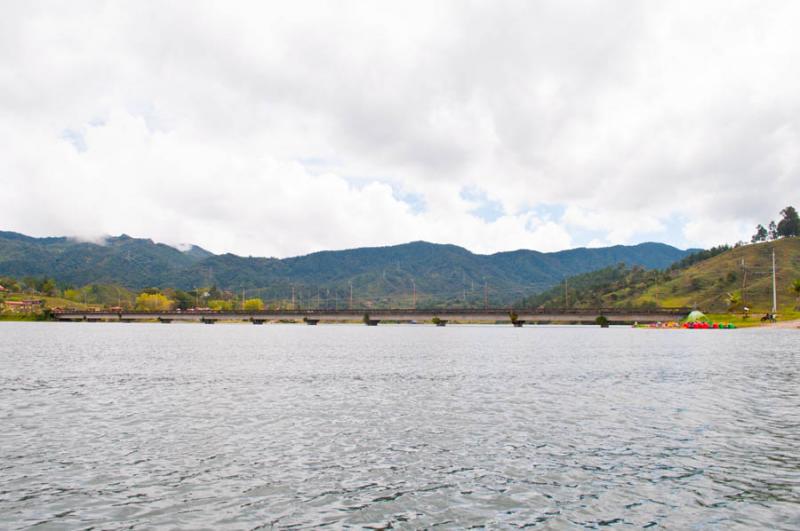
{"x":132,"y":262}
{"x":744,"y":271}
{"x":443,"y":274}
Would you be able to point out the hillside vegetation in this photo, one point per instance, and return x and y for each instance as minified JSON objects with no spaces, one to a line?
{"x":727,"y":281}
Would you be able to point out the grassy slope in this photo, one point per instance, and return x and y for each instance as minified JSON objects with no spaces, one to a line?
{"x":707,"y":283}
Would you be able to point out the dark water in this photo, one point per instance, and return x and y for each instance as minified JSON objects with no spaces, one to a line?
{"x":117,"y":426}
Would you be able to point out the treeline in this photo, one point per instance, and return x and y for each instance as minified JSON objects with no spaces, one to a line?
{"x":52,"y":294}
{"x":699,"y":256}
{"x":97,"y":294}
{"x":787,"y":227}
{"x":604,"y":287}
{"x":43,"y":285}
{"x":212,"y":298}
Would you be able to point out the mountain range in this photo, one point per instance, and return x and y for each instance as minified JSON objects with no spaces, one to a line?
{"x":439,"y":274}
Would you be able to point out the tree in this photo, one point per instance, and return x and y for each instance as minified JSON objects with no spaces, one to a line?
{"x":48,"y":287}
{"x":773,"y":231}
{"x":253,"y":305}
{"x":220,"y":305}
{"x":760,"y":235}
{"x":215,"y":293}
{"x":796,"y":290}
{"x":789,"y":225}
{"x":734,"y":299}
{"x":153,"y":302}
{"x":29,"y":284}
{"x":73,"y":295}
{"x":183,"y":300}
{"x":9,"y":283}
{"x":84,"y":294}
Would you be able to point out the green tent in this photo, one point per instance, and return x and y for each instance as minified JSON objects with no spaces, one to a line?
{"x":696,"y":316}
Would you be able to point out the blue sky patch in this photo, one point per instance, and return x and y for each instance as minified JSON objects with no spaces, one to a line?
{"x":487,"y":209}
{"x":75,"y":138}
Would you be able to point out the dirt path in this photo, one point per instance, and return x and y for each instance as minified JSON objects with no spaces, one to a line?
{"x":785,"y":324}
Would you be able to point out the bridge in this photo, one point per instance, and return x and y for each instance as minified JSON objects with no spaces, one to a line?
{"x":371,"y":317}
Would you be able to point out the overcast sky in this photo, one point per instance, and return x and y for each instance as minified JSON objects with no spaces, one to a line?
{"x":282,"y":129}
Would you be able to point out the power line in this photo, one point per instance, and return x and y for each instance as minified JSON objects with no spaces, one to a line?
{"x":774,"y":290}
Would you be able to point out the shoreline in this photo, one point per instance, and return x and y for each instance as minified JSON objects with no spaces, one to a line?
{"x":792,"y":324}
{"x":783,"y":325}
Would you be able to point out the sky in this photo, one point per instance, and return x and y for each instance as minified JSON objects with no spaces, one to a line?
{"x":282,"y":128}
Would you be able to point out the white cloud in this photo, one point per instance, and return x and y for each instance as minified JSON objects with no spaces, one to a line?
{"x":704,"y":232}
{"x":278,"y":130}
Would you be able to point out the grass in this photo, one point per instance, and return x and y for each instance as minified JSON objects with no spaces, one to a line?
{"x":23,"y":317}
{"x":787,"y":314}
{"x":706,"y":284}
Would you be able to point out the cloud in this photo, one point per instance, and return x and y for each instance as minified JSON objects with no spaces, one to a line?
{"x":279,"y":130}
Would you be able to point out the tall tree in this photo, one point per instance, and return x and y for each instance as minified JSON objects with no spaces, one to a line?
{"x":760,"y":235}
{"x":183,"y":300}
{"x":773,"y":231}
{"x":796,"y":289}
{"x":789,"y":225}
{"x":253,"y":305}
{"x":48,"y":287}
{"x":734,"y":300}
{"x":153,"y":302}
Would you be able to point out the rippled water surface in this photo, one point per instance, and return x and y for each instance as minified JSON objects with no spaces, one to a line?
{"x":116,"y":426}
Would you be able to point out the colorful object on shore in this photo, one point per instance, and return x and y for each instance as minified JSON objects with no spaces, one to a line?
{"x":696,"y":320}
{"x":708,"y":326}
{"x":667,"y":324}
{"x":699,"y":325}
{"x":695,"y":316}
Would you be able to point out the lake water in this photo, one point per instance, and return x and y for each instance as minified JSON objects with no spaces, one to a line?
{"x":238,"y":427}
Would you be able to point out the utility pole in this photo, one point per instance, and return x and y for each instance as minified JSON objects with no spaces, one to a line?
{"x":485,"y":295}
{"x":242,"y":298}
{"x":744,"y":284}
{"x":414,"y":299}
{"x":351,"y":295}
{"x":292,"y":296}
{"x":774,"y":292}
{"x":655,"y":283}
{"x":566,"y":293}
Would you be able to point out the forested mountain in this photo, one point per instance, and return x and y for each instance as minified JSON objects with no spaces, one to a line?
{"x":441,"y":274}
{"x":131,"y":262}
